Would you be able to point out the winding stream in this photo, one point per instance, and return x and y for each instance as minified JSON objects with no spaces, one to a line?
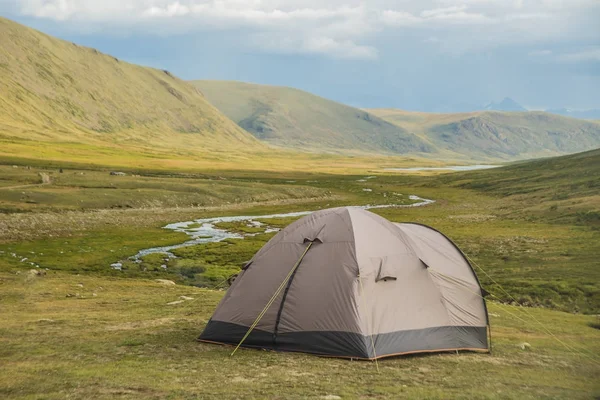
{"x":448,"y":168}
{"x":203,"y":230}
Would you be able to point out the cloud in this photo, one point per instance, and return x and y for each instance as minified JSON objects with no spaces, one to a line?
{"x":443,"y":11}
{"x":540,"y":53}
{"x":335,"y":28}
{"x":592,"y":54}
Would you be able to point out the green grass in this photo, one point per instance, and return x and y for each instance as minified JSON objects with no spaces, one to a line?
{"x":118,"y":338}
{"x":85,"y":330}
{"x":510,"y":231}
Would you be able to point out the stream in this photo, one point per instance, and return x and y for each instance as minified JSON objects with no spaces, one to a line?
{"x":448,"y":168}
{"x":203,"y":230}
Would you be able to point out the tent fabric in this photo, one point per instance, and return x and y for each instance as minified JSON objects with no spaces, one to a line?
{"x":367,"y":288}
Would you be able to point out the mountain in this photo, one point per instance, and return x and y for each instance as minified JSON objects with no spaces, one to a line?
{"x":498,"y":135}
{"x":56,"y":91}
{"x":593,"y":114}
{"x":293,"y":118}
{"x":507,"y":104}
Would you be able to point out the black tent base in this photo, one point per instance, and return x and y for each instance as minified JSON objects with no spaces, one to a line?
{"x":408,"y":353}
{"x":353,"y":345}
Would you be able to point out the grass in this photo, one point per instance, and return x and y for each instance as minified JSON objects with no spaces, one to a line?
{"x":119,"y":338}
{"x":508,"y":232}
{"x":86,"y":330}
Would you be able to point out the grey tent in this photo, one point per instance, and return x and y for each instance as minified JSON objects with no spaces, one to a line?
{"x":366,"y":288}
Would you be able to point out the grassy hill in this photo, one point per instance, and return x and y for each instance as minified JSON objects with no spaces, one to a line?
{"x":502,"y":135}
{"x":56,"y":91}
{"x":293,"y":118}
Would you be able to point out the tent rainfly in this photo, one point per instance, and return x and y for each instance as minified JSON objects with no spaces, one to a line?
{"x":366,"y":288}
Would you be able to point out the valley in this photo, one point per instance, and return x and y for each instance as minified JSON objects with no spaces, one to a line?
{"x":141,"y":326}
{"x":129,"y":197}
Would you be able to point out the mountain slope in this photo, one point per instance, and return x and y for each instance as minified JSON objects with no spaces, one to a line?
{"x":293,"y":118}
{"x":501,"y":135}
{"x":53,"y":90}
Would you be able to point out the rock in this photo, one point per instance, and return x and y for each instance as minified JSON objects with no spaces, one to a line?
{"x":331,"y":397}
{"x":175,"y":302}
{"x":117,"y":265}
{"x":525,"y":346}
{"x":186,"y":298}
{"x":163,"y":266}
{"x":70,"y":295}
{"x":79,"y":285}
{"x":165,"y":282}
{"x":94,"y":295}
{"x":35,"y":273}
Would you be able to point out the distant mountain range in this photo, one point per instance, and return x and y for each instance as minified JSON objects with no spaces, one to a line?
{"x":508,"y":104}
{"x":56,"y":96}
{"x":293,"y":118}
{"x":582,"y":114}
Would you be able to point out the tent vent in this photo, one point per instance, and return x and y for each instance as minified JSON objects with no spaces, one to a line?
{"x":386,"y":271}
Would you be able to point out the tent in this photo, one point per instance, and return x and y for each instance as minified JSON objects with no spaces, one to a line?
{"x":349,"y":283}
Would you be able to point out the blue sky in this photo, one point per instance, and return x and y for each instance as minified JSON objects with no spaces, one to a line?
{"x":430,"y":55}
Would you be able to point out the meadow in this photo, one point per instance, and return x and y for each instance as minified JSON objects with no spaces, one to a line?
{"x":75,"y":327}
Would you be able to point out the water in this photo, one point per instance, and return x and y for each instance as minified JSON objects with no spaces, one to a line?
{"x":203,"y":230}
{"x":448,"y":168}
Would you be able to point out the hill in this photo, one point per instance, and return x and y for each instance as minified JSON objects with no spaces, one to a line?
{"x":293,"y":118}
{"x":56,"y":91}
{"x":559,"y":189}
{"x":499,"y":135}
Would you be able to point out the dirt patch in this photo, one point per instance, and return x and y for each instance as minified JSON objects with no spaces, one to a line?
{"x":127,"y":326}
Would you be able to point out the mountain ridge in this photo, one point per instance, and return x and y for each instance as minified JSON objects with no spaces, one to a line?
{"x":506,"y":104}
{"x":289,"y":117}
{"x":282,"y":115}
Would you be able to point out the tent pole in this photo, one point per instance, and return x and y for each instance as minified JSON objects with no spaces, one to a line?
{"x":277,"y":292}
{"x":365,"y":307}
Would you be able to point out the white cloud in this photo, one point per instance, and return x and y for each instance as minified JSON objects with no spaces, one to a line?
{"x":443,"y":11}
{"x":592,"y":54}
{"x":399,"y":18}
{"x":540,"y":53}
{"x":337,"y":28}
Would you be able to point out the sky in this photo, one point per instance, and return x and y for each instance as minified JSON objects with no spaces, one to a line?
{"x":429,"y":55}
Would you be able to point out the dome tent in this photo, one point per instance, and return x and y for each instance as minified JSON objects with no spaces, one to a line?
{"x":358,"y":286}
